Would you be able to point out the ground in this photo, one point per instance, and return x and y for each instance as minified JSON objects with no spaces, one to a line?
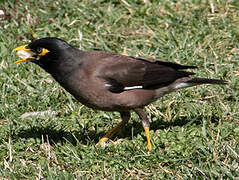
{"x":195,"y":132}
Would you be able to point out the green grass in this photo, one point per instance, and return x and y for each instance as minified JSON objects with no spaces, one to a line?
{"x":195,"y":132}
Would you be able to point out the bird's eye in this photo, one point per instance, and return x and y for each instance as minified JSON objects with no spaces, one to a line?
{"x":39,"y":50}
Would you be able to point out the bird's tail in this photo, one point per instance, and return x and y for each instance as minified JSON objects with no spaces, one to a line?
{"x":206,"y":81}
{"x":197,"y":81}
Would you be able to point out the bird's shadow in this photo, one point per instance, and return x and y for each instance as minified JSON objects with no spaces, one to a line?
{"x":54,"y":135}
{"x":84,"y":136}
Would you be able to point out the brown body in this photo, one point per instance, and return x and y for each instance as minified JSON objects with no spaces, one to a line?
{"x":87,"y":85}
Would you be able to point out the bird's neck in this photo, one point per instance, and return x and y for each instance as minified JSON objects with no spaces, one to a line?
{"x":63,"y":65}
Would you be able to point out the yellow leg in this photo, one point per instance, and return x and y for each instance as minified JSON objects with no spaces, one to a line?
{"x":149,"y":146}
{"x":111,"y":133}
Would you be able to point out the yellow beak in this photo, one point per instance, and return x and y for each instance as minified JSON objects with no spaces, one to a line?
{"x":21,"y":60}
{"x":26,"y":53}
{"x":23,"y":48}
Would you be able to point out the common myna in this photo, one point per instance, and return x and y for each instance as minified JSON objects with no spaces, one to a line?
{"x":109,"y":81}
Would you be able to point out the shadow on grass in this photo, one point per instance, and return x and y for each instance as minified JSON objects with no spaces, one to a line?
{"x":157,"y":125}
{"x":83,"y":136}
{"x":56,"y":136}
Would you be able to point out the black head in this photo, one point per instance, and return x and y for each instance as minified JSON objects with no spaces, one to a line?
{"x":44,"y":49}
{"x":52,"y":54}
{"x":52,"y":44}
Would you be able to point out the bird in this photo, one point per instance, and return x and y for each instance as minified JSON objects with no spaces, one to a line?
{"x":109,"y":81}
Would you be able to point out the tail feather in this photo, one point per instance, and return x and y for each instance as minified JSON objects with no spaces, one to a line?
{"x":206,"y":81}
{"x":183,"y":83}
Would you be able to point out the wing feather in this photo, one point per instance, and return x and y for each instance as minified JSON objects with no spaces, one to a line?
{"x":127,"y":73}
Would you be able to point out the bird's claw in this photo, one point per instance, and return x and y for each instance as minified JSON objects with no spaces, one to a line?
{"x":102,"y":141}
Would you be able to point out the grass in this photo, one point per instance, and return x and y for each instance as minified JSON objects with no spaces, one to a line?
{"x":195,"y":132}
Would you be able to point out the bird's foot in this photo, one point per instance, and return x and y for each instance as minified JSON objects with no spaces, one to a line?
{"x":118,"y":141}
{"x":149,"y":146}
{"x":102,"y":141}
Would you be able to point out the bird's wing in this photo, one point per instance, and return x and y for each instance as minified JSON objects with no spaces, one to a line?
{"x":126,"y":73}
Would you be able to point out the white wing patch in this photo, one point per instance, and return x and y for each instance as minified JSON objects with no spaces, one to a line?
{"x":133,"y":87}
{"x":107,"y":85}
{"x":123,"y":88}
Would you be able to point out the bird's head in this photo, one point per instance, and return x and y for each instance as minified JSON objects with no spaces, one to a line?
{"x":41,"y":50}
